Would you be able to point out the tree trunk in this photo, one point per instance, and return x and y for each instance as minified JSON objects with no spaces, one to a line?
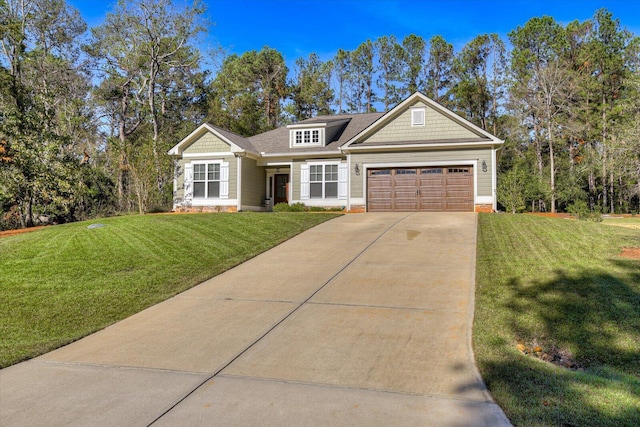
{"x":552,"y":169}
{"x":611,"y":182}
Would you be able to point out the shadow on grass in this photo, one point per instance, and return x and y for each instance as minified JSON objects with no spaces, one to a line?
{"x":594,"y":316}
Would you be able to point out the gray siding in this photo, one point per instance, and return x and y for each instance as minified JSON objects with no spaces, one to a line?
{"x":253,"y":183}
{"x":295,"y":178}
{"x":178,"y":192}
{"x":208,"y":143}
{"x":437,"y":127}
{"x":296,"y":174}
{"x":400,"y":157}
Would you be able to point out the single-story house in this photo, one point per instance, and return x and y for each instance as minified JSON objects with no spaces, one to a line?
{"x":419,"y":156}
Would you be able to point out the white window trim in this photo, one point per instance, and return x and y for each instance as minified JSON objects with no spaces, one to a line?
{"x":420,"y":117}
{"x":224,"y":179}
{"x":294,"y":132}
{"x":305,"y":181}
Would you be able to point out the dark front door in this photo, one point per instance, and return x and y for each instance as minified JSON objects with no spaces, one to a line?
{"x":281,"y":188}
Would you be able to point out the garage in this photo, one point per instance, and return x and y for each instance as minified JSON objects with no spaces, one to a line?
{"x":425,"y":189}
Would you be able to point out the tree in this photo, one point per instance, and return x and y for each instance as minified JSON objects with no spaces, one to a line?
{"x":539,"y":91}
{"x":341,"y":65}
{"x":414,"y":47}
{"x":247,"y":92}
{"x":439,"y":68}
{"x":42,"y":124}
{"x":145,"y":55}
{"x":391,"y":60}
{"x":310,"y":92}
{"x":610,"y":48}
{"x":361,"y":79}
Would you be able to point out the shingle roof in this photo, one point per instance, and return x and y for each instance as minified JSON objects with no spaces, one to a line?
{"x":277,"y":140}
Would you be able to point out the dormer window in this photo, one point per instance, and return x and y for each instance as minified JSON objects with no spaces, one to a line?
{"x":306,"y":137}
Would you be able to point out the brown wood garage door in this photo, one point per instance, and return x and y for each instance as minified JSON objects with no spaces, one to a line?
{"x":428,"y":189}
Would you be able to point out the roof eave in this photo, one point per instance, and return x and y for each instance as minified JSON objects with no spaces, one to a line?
{"x":483,"y":144}
{"x":336,"y":152}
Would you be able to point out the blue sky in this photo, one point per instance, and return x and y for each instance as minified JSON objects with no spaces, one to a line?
{"x":297,"y":28}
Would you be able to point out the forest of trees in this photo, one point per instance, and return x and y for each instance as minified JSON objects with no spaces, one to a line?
{"x":87,"y":115}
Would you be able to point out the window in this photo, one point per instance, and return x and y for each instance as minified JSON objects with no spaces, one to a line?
{"x":431,"y":171}
{"x":206,"y":180}
{"x":323,"y":181}
{"x":458,"y":170}
{"x":380,"y":172}
{"x":417,"y":117}
{"x":306,"y":137}
{"x":406,"y":172}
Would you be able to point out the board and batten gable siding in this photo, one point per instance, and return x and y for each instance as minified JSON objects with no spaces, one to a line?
{"x":207,"y":143}
{"x":422,"y":158}
{"x":436,"y":127}
{"x":253,"y":183}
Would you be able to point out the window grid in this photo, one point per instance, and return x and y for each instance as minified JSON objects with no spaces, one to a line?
{"x":323,"y":181}
{"x":306,"y":137}
{"x":206,"y":180}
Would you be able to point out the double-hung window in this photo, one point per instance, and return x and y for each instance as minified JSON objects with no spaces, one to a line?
{"x":206,"y":180}
{"x":323,"y":181}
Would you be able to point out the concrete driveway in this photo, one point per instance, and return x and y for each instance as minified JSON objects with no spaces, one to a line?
{"x":363,"y":320}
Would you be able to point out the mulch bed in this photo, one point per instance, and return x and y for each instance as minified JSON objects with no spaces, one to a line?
{"x":631,"y":253}
{"x":20,"y":231}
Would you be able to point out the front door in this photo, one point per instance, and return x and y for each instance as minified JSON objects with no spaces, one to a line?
{"x":281,"y":188}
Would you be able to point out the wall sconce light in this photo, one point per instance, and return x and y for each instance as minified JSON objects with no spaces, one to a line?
{"x":484,"y":166}
{"x":357,"y":170}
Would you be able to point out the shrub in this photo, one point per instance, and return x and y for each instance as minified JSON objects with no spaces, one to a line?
{"x":285,"y":207}
{"x":581,"y":211}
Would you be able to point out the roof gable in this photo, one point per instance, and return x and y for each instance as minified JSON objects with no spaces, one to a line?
{"x":210,"y":139}
{"x":440,"y":126}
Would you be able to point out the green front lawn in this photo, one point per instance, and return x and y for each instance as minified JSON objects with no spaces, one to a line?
{"x":559,"y":285}
{"x":64,"y":282}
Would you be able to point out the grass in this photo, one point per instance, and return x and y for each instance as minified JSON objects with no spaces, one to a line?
{"x":631,"y":222}
{"x":559,"y":284}
{"x":61,"y":283}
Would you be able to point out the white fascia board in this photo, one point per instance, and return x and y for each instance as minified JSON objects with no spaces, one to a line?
{"x":306,"y":125}
{"x":212,"y":155}
{"x":177,"y":149}
{"x":461,"y":162}
{"x":420,"y":146}
{"x":303,"y":154}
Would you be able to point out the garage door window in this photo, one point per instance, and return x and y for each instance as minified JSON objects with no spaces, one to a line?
{"x":323,"y":181}
{"x":406,"y":172}
{"x":431,"y":171}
